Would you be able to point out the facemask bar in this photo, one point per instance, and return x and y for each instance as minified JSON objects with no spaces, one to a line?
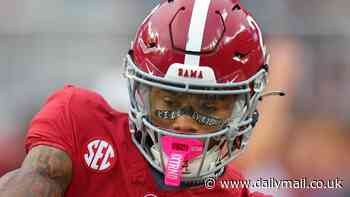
{"x":206,"y":146}
{"x":242,"y":127}
{"x":134,"y":73}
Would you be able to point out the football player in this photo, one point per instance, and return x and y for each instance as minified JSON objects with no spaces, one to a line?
{"x":196,"y":72}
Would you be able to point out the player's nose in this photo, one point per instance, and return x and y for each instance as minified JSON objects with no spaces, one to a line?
{"x":185,"y":124}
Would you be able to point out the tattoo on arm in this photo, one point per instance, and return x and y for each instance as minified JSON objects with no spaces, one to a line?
{"x":45,"y":172}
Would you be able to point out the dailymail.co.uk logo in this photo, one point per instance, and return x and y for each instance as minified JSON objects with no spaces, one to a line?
{"x":99,"y":155}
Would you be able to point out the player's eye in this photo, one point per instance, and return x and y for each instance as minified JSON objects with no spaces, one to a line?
{"x":208,"y":108}
{"x":169,"y":102}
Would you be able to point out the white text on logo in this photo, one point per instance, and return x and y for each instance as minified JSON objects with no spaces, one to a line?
{"x":100,"y":155}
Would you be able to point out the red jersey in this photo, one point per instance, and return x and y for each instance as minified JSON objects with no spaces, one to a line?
{"x":97,"y":139}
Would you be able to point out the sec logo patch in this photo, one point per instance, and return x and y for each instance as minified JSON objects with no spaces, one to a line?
{"x":99,"y":155}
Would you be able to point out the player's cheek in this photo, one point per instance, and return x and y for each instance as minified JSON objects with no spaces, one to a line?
{"x":224,"y":111}
{"x":204,"y":129}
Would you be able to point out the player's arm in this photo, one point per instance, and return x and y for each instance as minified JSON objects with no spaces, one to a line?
{"x":45,"y":172}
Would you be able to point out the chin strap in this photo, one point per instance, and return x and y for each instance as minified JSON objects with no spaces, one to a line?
{"x":272,"y":93}
{"x":255,"y":114}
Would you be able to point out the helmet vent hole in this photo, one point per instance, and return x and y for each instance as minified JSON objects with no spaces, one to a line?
{"x":236,"y":7}
{"x":151,"y":45}
{"x":240,"y":57}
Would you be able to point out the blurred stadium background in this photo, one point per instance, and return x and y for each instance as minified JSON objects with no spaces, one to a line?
{"x":45,"y":44}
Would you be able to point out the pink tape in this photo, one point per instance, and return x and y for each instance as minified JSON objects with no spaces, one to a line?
{"x":179,"y":150}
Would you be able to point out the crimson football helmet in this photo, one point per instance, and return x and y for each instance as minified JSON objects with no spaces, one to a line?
{"x":198,"y":47}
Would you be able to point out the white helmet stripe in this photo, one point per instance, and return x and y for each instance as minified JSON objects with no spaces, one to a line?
{"x":254,"y":25}
{"x":196,"y":31}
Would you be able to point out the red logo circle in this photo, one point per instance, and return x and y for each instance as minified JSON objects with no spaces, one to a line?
{"x":99,"y":155}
